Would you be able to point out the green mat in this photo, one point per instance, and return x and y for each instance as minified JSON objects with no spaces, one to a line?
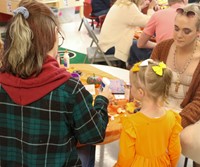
{"x":75,"y":57}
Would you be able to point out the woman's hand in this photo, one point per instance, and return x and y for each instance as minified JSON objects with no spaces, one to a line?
{"x":144,"y":4}
{"x":153,"y":4}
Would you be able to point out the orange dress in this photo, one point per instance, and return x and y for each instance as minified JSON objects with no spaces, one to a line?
{"x":150,"y":142}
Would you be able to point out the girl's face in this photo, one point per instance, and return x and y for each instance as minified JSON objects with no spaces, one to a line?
{"x":185,"y":30}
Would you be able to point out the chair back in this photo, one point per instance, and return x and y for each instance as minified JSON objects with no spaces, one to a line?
{"x":90,"y":31}
{"x":87,"y":9}
{"x":96,"y":53}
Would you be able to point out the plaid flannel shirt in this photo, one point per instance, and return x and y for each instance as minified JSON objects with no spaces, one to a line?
{"x":45,"y":132}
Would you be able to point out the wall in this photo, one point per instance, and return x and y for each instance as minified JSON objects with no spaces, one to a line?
{"x":7,"y":6}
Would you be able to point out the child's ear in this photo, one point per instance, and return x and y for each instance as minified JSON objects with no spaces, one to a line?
{"x":141,"y":92}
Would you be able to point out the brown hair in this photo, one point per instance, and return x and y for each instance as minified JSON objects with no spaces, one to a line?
{"x":156,"y":86}
{"x":29,"y":40}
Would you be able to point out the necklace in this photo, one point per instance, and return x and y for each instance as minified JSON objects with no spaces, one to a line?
{"x":179,"y":73}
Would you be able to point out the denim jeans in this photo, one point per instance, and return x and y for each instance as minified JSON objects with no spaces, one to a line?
{"x":138,"y":54}
{"x":100,"y":13}
{"x":87,"y":155}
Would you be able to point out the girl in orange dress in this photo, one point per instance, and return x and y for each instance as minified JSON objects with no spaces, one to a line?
{"x":150,"y":138}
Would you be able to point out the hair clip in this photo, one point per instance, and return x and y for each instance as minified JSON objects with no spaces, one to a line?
{"x":158,"y":69}
{"x":22,"y":10}
{"x":145,"y":63}
{"x":136,"y":67}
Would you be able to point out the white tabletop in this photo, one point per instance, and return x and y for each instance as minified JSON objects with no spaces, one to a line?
{"x":120,"y":73}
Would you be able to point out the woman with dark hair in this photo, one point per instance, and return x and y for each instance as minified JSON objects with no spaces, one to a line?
{"x":44,"y":112}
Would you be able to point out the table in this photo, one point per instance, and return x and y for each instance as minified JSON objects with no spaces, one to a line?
{"x":114,"y":126}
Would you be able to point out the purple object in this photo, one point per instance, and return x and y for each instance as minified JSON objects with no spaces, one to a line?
{"x":75,"y":75}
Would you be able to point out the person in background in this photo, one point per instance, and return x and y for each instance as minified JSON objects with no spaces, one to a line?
{"x":150,"y":138}
{"x":181,"y":54}
{"x":161,"y":26}
{"x":100,"y":7}
{"x":44,"y":112}
{"x":118,"y":28}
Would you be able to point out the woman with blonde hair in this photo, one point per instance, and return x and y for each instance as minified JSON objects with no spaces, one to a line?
{"x":118,"y":28}
{"x":181,"y":54}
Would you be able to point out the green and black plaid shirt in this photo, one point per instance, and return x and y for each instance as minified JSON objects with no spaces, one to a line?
{"x":45,"y":132}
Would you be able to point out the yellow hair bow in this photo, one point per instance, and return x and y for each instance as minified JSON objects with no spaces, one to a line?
{"x":159,"y":68}
{"x":136,"y":67}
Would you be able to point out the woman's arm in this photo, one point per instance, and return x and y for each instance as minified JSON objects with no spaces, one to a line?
{"x":144,"y":41}
{"x":90,"y":121}
{"x":191,"y":112}
{"x":190,"y":142}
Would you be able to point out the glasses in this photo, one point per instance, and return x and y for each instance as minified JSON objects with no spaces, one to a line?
{"x":187,"y":13}
{"x":60,"y":39}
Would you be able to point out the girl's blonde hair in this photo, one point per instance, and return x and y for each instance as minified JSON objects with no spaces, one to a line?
{"x":155,"y":85}
{"x":28,"y":40}
{"x":128,"y":2}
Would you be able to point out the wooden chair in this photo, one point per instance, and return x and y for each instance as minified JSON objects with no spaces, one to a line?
{"x":87,"y":10}
{"x":95,"y":53}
